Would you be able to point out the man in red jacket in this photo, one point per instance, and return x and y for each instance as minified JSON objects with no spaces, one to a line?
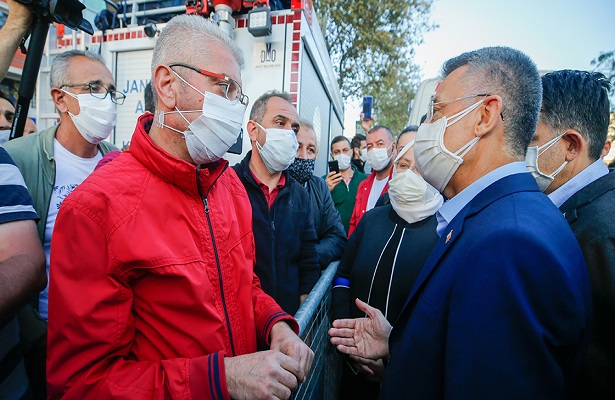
{"x":153,"y":293}
{"x":381,"y":150}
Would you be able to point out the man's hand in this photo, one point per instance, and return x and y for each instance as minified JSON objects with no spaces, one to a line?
{"x":362,"y":337}
{"x":366,"y":124}
{"x":373,"y":369}
{"x":262,"y":375}
{"x":283,"y":339}
{"x":332,"y":179}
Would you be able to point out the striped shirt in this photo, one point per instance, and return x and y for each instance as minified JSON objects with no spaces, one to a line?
{"x":15,"y":205}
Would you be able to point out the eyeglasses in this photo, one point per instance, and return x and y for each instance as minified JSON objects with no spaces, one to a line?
{"x":432,"y":103}
{"x":100,"y":92}
{"x":232,"y":90}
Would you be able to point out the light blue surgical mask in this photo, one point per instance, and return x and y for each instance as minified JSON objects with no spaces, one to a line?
{"x":531,"y":163}
{"x":279,"y":149}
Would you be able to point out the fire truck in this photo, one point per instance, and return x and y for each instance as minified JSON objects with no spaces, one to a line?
{"x":284,"y":50}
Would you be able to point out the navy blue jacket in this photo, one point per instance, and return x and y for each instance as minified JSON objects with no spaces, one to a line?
{"x":327,"y":222}
{"x":285,"y":239}
{"x":501,"y":308}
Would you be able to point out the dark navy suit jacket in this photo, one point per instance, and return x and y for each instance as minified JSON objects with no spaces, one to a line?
{"x":502,"y":307}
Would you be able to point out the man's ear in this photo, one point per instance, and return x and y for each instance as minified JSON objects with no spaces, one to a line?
{"x":575,"y":144}
{"x":606,"y":149}
{"x":163,"y":81}
{"x":59,"y":99}
{"x":252,"y":129}
{"x":490,"y":115}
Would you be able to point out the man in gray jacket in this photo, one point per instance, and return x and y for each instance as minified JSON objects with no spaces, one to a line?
{"x":327,"y":221}
{"x":55,"y":161}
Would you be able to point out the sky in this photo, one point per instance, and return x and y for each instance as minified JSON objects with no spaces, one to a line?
{"x":556,"y":34}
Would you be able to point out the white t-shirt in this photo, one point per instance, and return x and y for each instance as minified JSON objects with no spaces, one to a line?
{"x":375,"y":193}
{"x":71,"y":170}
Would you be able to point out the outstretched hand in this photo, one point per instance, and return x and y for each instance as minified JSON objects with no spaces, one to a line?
{"x":363,"y":337}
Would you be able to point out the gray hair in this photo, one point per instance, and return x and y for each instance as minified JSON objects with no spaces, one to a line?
{"x":177,"y":39}
{"x":304,"y":123}
{"x":513,"y":76}
{"x":258,"y":109}
{"x":175,"y":43}
{"x":378,"y":127}
{"x":58,"y":76}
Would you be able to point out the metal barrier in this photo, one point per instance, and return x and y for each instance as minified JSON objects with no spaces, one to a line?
{"x":314,"y":321}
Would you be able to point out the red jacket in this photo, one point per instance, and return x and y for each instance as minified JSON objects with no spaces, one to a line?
{"x":152,"y":280}
{"x":361,"y":202}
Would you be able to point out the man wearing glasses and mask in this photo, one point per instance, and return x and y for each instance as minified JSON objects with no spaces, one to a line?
{"x":501,"y":308}
{"x":152,"y":292}
{"x":55,"y":161}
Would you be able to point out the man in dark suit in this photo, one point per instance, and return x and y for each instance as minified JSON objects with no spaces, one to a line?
{"x":501,"y":308}
{"x":574,"y":119}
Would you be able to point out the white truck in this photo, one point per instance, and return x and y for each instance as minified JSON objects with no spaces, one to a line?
{"x":418,"y":105}
{"x":292,"y":58}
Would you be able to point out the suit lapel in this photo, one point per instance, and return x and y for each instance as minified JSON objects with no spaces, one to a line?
{"x":501,"y":188}
{"x":447,"y":240}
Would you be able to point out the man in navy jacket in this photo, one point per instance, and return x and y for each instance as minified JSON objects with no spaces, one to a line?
{"x":501,"y":309}
{"x":286,"y":259}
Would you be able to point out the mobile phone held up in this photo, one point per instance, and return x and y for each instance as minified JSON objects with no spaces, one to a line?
{"x":237,"y":147}
{"x":367,"y":107}
{"x":334,"y":166}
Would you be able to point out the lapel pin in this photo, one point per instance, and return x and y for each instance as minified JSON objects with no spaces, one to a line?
{"x":448,"y":237}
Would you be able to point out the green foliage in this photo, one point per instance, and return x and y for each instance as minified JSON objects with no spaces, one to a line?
{"x":371,"y":43}
{"x":605,"y":63}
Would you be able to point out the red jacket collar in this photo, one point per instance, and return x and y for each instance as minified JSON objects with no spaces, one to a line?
{"x":168,"y":167}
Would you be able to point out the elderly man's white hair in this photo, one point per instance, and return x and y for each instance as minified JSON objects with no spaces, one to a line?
{"x":187,"y":38}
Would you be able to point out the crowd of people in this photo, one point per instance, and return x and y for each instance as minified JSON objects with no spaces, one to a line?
{"x":476,"y":261}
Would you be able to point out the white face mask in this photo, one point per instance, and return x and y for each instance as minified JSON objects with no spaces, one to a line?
{"x":279,"y":149}
{"x":363,"y":155}
{"x":5,"y":134}
{"x":379,"y":158}
{"x":412,"y":198}
{"x":343,"y":160}
{"x":531,"y":162}
{"x":435,"y":162}
{"x":96,"y":118}
{"x":210,"y":135}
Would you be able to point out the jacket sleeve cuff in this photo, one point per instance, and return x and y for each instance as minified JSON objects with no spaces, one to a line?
{"x":268,"y":320}
{"x":208,"y":377}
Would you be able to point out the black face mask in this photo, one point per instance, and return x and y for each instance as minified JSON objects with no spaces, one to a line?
{"x":301,"y":169}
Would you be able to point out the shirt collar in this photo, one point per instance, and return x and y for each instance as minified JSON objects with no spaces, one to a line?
{"x":591,"y":173}
{"x":451,"y":208}
{"x":260,"y":183}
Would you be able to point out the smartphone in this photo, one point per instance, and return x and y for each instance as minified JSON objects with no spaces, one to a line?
{"x":367,"y":107}
{"x":238,"y":145}
{"x":334,"y":166}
